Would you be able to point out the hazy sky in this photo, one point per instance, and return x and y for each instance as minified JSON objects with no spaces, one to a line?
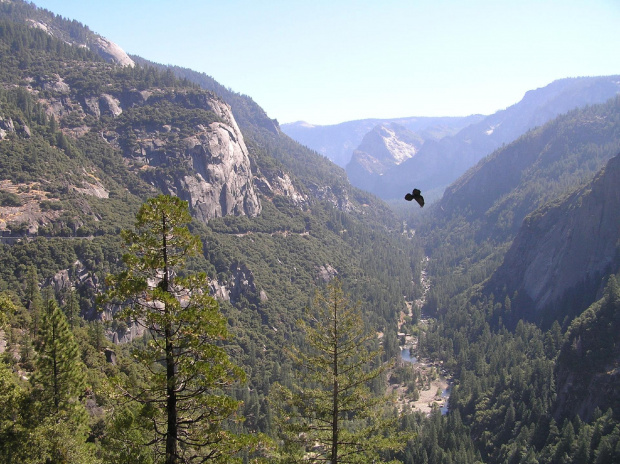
{"x":329,"y":61}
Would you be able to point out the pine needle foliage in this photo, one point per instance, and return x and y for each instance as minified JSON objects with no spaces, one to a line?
{"x":330,"y":414}
{"x":187,"y":366}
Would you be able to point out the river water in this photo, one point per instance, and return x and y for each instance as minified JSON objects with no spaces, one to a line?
{"x":405,"y":355}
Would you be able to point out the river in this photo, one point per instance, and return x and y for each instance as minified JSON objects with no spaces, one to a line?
{"x":440,"y":383}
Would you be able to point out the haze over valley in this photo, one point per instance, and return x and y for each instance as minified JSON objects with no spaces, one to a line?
{"x":185,"y":279}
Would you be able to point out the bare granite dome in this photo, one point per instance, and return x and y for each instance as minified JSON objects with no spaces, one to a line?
{"x":112,"y":52}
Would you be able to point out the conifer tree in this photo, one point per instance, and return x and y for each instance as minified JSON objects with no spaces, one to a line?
{"x":331,"y":411}
{"x":188,"y":368}
{"x":59,"y":376}
{"x":34,"y":301}
{"x":12,"y":433}
{"x":60,"y":429}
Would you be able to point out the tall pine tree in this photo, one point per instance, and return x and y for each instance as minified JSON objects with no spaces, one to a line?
{"x":188,"y":367}
{"x":59,"y":376}
{"x":331,"y":414}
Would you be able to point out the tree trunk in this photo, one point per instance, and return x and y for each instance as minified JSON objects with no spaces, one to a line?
{"x":335,"y":412}
{"x":171,"y":404}
{"x":171,"y":395}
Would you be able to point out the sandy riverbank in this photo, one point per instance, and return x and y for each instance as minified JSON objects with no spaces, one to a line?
{"x":432,"y":393}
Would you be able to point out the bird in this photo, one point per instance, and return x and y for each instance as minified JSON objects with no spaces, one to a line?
{"x":415,"y":195}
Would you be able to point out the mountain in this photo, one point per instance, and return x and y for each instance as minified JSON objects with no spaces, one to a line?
{"x":480,"y":214}
{"x":440,"y":162}
{"x":190,"y":145}
{"x":69,"y":32}
{"x":85,"y":140}
{"x":386,"y":145}
{"x":338,"y":141}
{"x":538,"y":167}
{"x":564,"y":249}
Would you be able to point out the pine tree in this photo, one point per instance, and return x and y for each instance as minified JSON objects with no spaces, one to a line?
{"x":11,"y":431}
{"x":188,"y":368}
{"x":60,"y":427}
{"x":59,"y":377}
{"x":72,"y":308}
{"x":331,"y":411}
{"x":34,"y":301}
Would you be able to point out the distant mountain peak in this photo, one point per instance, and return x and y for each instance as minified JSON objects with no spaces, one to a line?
{"x":303,"y":124}
{"x":400,"y":149}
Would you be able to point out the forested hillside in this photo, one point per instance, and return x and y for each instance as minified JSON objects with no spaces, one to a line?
{"x":83,"y":144}
{"x":519,"y":391}
{"x":175,"y":272}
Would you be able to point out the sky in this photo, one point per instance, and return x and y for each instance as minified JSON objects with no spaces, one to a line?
{"x":331,"y":61}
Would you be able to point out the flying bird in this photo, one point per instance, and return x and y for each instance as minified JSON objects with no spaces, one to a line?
{"x":415,"y":195}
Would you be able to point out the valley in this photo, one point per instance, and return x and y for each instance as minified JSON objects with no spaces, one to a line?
{"x":497,"y":303}
{"x":431,"y":382}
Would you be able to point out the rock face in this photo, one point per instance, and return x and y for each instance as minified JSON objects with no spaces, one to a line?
{"x":566,"y":247}
{"x":327,"y":273}
{"x":220,"y":181}
{"x":6,"y":126}
{"x":384,"y":147}
{"x":241,"y":283}
{"x":105,"y":48}
{"x":440,"y":162}
{"x":206,"y":163}
{"x":112,"y":52}
{"x":102,"y":104}
{"x":280,"y":183}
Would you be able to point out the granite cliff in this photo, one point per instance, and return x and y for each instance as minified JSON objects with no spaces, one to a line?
{"x":186,"y":142}
{"x":385,"y":146}
{"x":563,"y":250}
{"x":219,"y":180}
{"x":77,"y":35}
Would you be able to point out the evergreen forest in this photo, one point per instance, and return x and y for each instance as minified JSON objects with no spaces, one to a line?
{"x":135,"y":329}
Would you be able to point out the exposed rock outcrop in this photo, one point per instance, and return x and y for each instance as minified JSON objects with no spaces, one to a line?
{"x":53,"y":84}
{"x":112,"y":52}
{"x":280,"y":183}
{"x":220,"y":181}
{"x":6,"y":126}
{"x":208,"y":166}
{"x":327,"y":273}
{"x":240,"y":283}
{"x":102,"y":104}
{"x":105,"y":48}
{"x":566,"y":245}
